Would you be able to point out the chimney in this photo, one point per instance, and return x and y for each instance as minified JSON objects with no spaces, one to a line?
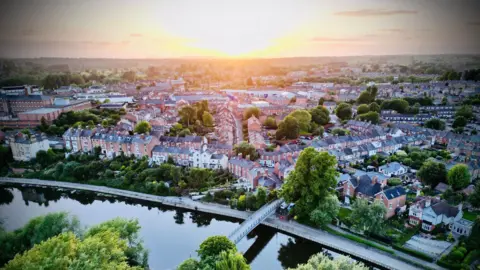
{"x":428,"y":202}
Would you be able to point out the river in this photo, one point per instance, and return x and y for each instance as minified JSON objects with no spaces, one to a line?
{"x":171,"y":235}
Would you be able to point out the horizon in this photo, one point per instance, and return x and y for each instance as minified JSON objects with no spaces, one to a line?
{"x":240,"y":30}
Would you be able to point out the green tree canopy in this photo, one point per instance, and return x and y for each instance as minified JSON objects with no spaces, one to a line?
{"x":367,"y":217}
{"x":474,"y":198}
{"x":372,"y":117}
{"x":368,"y":96}
{"x":340,"y":131}
{"x":214,"y":245}
{"x":431,"y":173}
{"x":251,"y":111}
{"x":326,"y":211}
{"x":374,"y":107}
{"x":459,"y":122}
{"x":270,"y":122}
{"x":363,"y":109}
{"x":188,"y":115}
{"x":143,"y":127}
{"x":323,"y":262}
{"x":288,"y":128}
{"x":399,"y":105}
{"x":320,"y":115}
{"x":435,"y":123}
{"x":458,"y":176}
{"x":312,"y":180}
{"x":303,"y":117}
{"x":344,"y":111}
{"x":465,"y":111}
{"x":207,"y":119}
{"x":246,"y":149}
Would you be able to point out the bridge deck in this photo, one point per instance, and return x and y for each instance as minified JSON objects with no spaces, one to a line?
{"x":252,"y":221}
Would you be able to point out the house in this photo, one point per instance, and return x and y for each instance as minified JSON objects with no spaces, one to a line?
{"x":241,"y":167}
{"x":180,"y":155}
{"x":432,"y":212}
{"x":363,"y":185}
{"x":394,"y":200}
{"x":392,"y":169}
{"x":254,"y":124}
{"x":462,"y":227}
{"x":206,"y":159}
{"x":25,"y":147}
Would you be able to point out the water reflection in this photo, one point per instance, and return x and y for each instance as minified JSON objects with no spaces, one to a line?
{"x":171,"y":234}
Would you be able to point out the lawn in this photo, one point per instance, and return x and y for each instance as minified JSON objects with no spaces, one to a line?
{"x":470,"y":215}
{"x":344,"y":213}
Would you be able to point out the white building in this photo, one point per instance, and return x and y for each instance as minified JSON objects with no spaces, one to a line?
{"x":433,"y":212}
{"x":25,"y":147}
{"x":206,"y":159}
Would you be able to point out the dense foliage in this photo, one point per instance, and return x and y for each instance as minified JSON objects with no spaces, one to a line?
{"x":311,"y":182}
{"x":320,"y":261}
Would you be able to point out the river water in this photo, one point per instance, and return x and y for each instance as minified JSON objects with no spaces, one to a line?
{"x":171,"y":235}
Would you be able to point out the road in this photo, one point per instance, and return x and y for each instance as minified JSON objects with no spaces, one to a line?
{"x":238,"y":129}
{"x":329,"y":240}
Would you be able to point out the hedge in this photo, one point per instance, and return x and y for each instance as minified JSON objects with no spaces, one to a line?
{"x":414,"y":253}
{"x":359,"y":240}
{"x":448,"y":265}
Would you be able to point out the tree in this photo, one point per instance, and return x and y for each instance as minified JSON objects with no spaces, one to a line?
{"x":143,"y":127}
{"x":129,"y":76}
{"x":320,"y":115}
{"x":251,"y":111}
{"x":323,"y":262}
{"x":288,"y":128}
{"x":231,"y":261}
{"x":435,"y":123}
{"x":43,"y":124}
{"x":207,"y":119}
{"x":42,"y":158}
{"x":251,"y":201}
{"x":246,"y":149}
{"x":66,"y":251}
{"x":198,"y":178}
{"x":6,"y":197}
{"x":474,"y":198}
{"x":326,"y":211}
{"x":372,"y":117}
{"x":431,"y":173}
{"x":312,"y":180}
{"x":188,"y":115}
{"x":189,"y":264}
{"x":261,"y":196}
{"x":214,"y":245}
{"x":303,"y":117}
{"x":363,"y":109}
{"x":459,"y":122}
{"x":37,"y":230}
{"x":340,"y":131}
{"x":270,"y":122}
{"x":367,"y":217}
{"x":319,"y":131}
{"x":374,"y":107}
{"x":473,"y":241}
{"x":458,"y":176}
{"x":465,"y":111}
{"x":399,"y":105}
{"x":368,"y":96}
{"x":107,"y":100}
{"x":184,"y":132}
{"x":344,"y":111}
{"x":394,"y":181}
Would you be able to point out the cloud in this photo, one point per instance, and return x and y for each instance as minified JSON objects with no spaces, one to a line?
{"x":471,"y":23}
{"x":136,"y":35}
{"x":329,"y":39}
{"x":393,"y":30}
{"x":375,"y":12}
{"x":97,"y":43}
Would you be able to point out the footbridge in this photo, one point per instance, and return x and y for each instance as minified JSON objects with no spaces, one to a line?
{"x":252,"y":221}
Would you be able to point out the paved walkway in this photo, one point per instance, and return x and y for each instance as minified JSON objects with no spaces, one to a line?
{"x":329,"y":240}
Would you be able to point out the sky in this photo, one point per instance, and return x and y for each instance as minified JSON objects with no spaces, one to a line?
{"x":238,"y":29}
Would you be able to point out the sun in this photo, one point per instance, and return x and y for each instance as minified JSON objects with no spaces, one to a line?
{"x":233,"y":47}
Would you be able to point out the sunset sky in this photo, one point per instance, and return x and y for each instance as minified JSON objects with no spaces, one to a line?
{"x":196,"y":28}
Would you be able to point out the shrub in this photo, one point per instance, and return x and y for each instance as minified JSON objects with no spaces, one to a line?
{"x":456,"y":256}
{"x":394,"y":182}
{"x":414,"y":253}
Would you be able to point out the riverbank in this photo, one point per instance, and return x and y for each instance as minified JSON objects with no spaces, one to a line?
{"x":331,"y":241}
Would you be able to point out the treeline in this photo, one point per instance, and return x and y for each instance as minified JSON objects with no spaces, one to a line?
{"x":56,"y":241}
{"x":129,"y":173}
{"x":468,"y":75}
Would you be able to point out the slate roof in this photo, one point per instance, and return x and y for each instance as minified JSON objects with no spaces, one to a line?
{"x":391,"y":167}
{"x":171,"y":149}
{"x":443,"y":208}
{"x":394,"y":192}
